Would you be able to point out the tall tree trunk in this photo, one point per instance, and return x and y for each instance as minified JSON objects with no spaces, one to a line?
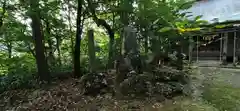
{"x":42,"y":65}
{"x":70,"y":27}
{"x":146,"y":41}
{"x":3,"y":13}
{"x":31,"y":50}
{"x":9,"y":46}
{"x":111,"y":50}
{"x":59,"y":50}
{"x":50,"y":52}
{"x":77,"y":70}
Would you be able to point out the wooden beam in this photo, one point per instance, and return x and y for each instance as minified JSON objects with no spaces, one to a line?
{"x":214,"y":31}
{"x":231,"y":22}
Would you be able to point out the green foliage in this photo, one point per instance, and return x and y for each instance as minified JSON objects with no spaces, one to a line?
{"x":158,"y":23}
{"x":102,"y":43}
{"x":22,"y":81}
{"x":165,"y":29}
{"x":168,"y":83}
{"x":19,"y":75}
{"x":16,"y":65}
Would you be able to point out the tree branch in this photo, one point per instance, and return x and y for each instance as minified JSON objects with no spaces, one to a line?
{"x":100,"y":22}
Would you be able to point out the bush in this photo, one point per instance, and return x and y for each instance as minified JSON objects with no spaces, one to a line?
{"x":20,"y":73}
{"x":11,"y":82}
{"x":96,"y":83}
{"x":166,"y":82}
{"x":21,"y":65}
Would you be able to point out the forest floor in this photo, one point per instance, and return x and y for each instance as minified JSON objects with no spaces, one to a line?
{"x":220,"y":92}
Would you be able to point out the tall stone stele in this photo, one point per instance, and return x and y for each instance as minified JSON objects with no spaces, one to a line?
{"x":129,"y":43}
{"x":91,"y":50}
{"x":130,"y":48}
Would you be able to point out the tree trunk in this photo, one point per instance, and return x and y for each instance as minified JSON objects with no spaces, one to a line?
{"x":145,"y":41}
{"x":91,"y":50}
{"x":3,"y":12}
{"x":101,"y":22}
{"x":70,"y":27}
{"x":111,"y":51}
{"x":31,"y":50}
{"x":59,"y":50}
{"x":77,"y":70}
{"x":9,"y":47}
{"x":51,"y":58}
{"x":42,"y":66}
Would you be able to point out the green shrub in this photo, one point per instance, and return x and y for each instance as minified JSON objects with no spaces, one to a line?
{"x":20,"y":73}
{"x":96,"y":83}
{"x":166,"y":82}
{"x":11,"y":82}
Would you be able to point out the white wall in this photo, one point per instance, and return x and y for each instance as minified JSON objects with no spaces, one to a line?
{"x":221,"y":9}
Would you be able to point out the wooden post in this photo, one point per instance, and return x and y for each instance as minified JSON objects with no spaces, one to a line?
{"x":197,"y":48}
{"x":91,"y":50}
{"x":221,"y":43}
{"x":234,"y":49}
{"x":225,"y":47}
{"x":190,"y":50}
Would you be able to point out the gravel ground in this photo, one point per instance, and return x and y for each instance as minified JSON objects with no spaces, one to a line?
{"x":211,"y":68}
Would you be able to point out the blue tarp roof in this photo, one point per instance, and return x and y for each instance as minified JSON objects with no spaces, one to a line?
{"x":223,"y":10}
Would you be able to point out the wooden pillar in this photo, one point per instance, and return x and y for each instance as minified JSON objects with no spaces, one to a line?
{"x":190,"y":49}
{"x":221,"y":47}
{"x":225,"y":48}
{"x":91,"y":50}
{"x":234,"y":49}
{"x":197,"y":48}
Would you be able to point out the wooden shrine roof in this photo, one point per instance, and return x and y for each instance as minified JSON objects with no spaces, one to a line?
{"x":211,"y":29}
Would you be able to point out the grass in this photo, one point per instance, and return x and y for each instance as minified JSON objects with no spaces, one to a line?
{"x":220,"y":90}
{"x":222,"y":96}
{"x":187,"y":104}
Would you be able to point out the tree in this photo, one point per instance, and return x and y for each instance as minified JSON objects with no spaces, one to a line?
{"x":77,"y":71}
{"x":2,"y":12}
{"x":37,"y":34}
{"x":110,"y":31}
{"x":157,"y":26}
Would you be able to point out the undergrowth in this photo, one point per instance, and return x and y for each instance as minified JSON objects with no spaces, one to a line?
{"x":216,"y":96}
